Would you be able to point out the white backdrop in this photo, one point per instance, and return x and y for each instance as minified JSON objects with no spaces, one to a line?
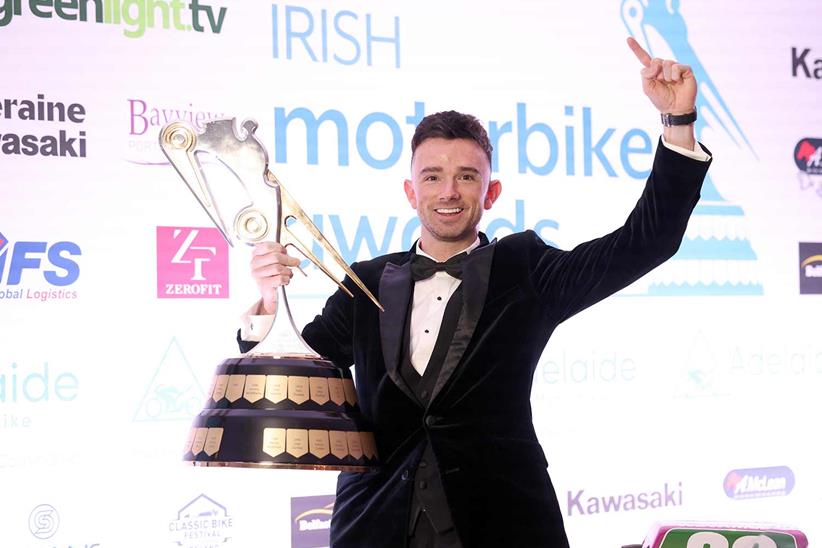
{"x":697,"y":387}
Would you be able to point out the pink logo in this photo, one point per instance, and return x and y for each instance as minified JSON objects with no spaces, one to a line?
{"x":192,"y":263}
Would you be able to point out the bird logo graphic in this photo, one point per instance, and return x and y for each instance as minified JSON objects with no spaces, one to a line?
{"x":716,"y":257}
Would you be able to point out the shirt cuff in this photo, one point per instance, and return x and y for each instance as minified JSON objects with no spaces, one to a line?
{"x":698,"y":153}
{"x":253,"y":326}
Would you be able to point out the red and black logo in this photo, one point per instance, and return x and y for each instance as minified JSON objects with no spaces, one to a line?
{"x":808,"y":156}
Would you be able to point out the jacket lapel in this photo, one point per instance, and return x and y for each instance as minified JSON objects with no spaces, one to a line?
{"x":476,"y":272}
{"x":396,"y":286}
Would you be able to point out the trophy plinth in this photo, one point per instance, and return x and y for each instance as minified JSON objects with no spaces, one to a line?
{"x":281,"y":413}
{"x":281,"y":405}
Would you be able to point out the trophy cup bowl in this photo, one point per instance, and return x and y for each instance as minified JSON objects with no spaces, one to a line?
{"x":281,"y":405}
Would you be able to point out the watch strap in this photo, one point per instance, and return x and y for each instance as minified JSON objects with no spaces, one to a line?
{"x":669,"y":119}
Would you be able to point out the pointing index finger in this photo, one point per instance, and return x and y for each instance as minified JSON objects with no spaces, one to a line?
{"x":640,"y":53}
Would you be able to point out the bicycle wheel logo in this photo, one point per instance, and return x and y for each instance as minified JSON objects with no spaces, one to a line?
{"x":44,"y":521}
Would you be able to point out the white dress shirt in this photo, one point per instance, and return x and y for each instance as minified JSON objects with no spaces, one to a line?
{"x":427,"y":309}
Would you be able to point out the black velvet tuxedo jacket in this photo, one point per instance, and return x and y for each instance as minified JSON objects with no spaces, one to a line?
{"x":515,"y":293}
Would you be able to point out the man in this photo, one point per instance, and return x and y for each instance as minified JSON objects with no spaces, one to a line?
{"x":444,"y":374}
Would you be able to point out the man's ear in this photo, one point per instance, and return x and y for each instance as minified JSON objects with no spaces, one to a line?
{"x":494,"y":190}
{"x":409,"y":193}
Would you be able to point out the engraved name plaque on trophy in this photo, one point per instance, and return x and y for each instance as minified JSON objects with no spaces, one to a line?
{"x":281,"y":405}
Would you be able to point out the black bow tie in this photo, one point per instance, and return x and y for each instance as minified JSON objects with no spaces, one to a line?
{"x":423,"y":268}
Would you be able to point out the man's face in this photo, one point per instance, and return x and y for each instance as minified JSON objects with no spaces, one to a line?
{"x":450,"y":187}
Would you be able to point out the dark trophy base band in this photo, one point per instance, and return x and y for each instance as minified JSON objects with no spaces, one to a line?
{"x":264,"y":412}
{"x":281,"y":466}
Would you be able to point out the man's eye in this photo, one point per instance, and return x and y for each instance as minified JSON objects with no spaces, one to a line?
{"x":431,"y":178}
{"x":467,"y":177}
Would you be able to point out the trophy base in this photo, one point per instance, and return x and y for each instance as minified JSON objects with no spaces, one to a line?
{"x":284,"y":356}
{"x":286,"y":466}
{"x":271,"y":412}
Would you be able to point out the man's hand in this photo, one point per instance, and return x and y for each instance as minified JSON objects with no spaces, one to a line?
{"x":270,"y":268}
{"x":669,"y":85}
{"x":672,"y":88}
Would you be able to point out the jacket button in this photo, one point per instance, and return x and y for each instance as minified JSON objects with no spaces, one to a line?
{"x":423,"y":464}
{"x":405,"y":475}
{"x":430,"y":420}
{"x":423,"y":484}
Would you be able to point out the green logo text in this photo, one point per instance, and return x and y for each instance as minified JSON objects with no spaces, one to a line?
{"x":135,"y":15}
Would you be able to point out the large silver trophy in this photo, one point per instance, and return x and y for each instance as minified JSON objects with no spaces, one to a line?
{"x":281,"y":405}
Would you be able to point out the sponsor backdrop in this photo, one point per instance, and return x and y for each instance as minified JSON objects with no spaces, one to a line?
{"x":693,"y":394}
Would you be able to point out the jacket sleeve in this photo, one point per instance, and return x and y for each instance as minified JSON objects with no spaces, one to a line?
{"x":570,"y":281}
{"x":245,"y":346}
{"x":330,"y":333}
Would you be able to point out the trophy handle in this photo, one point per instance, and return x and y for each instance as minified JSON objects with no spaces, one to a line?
{"x":265,"y":216}
{"x":179,"y":141}
{"x":292,"y":210}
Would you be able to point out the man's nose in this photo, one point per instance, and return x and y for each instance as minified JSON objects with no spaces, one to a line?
{"x":450,"y":190}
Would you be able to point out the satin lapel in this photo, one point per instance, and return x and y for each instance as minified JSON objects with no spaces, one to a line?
{"x":395,"y":294}
{"x":476,"y":272}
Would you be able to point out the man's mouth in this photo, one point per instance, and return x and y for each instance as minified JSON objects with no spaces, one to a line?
{"x":449,"y":210}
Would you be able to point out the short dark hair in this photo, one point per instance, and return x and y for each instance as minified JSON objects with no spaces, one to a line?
{"x":451,"y":124}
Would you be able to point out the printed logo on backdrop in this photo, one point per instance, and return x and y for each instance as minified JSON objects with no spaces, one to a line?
{"x":174,"y":393}
{"x":202,"y":523}
{"x":145,"y":120}
{"x":751,"y":483}
{"x":63,"y":140}
{"x":715,"y":257}
{"x":25,"y":387}
{"x":804,"y":64}
{"x":810,"y":268}
{"x":715,"y":367}
{"x":192,"y":263}
{"x":311,"y":521}
{"x":378,"y":140}
{"x":594,"y":367}
{"x":340,"y":37}
{"x":44,"y":521}
{"x":38,"y":271}
{"x":807,"y":154}
{"x":700,"y":376}
{"x":585,"y":503}
{"x":134,"y":16}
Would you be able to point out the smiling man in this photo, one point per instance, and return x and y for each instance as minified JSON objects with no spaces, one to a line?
{"x":451,"y":185}
{"x":444,"y":374}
